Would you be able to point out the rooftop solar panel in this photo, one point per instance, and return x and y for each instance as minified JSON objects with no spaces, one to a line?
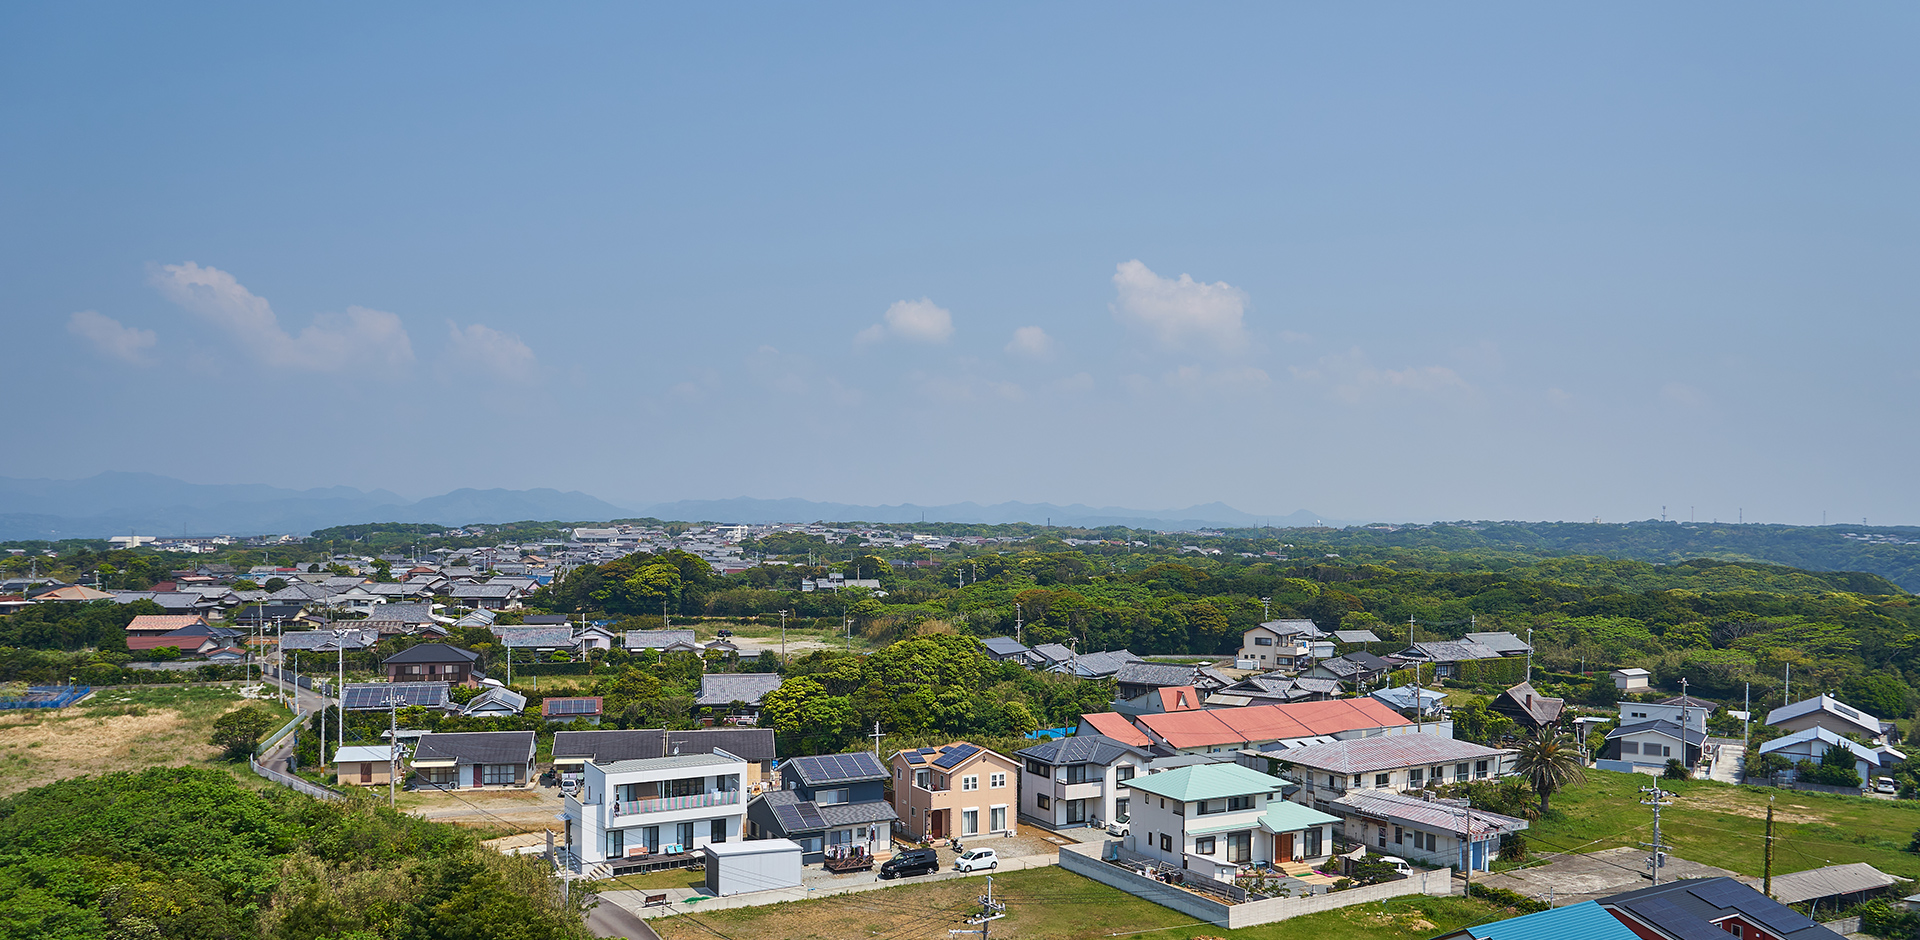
{"x":1719,"y":893}
{"x":916,"y":758}
{"x":572,"y":706}
{"x":809,"y":816}
{"x":1775,"y":916}
{"x":374,"y":695}
{"x":954,"y":756}
{"x":1674,"y":920}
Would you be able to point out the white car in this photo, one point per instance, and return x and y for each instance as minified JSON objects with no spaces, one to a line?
{"x":1397,"y":864}
{"x":1118,"y":827}
{"x":1885,"y":785}
{"x":976,"y":859}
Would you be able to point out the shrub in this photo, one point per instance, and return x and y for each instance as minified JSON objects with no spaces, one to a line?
{"x":1675,"y":770}
{"x":1513,"y":847}
{"x":1506,"y":898}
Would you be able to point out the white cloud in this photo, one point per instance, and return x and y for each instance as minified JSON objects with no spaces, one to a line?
{"x":1351,"y":376}
{"x":502,"y":355}
{"x":918,"y":321}
{"x":1032,"y":342}
{"x":110,"y":337}
{"x":333,"y":342}
{"x":1180,"y":314}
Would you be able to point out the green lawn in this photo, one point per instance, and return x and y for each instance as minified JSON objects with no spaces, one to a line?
{"x":1725,"y":825}
{"x":1056,"y":904}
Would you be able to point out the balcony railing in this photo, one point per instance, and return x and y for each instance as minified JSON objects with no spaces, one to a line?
{"x":671,"y":803}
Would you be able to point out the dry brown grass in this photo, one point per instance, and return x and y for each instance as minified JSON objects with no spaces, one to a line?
{"x":115,"y":730}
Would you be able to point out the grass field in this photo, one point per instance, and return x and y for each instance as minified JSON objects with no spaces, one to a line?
{"x":1725,"y":825}
{"x":1055,"y":904}
{"x":115,"y":729}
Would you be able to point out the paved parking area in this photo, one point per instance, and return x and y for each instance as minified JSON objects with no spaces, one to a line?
{"x":1570,"y":879}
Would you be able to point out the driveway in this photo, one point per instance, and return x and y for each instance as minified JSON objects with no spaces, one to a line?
{"x":1570,"y":878}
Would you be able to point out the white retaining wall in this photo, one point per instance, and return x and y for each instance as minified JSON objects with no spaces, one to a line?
{"x":1086,"y":860}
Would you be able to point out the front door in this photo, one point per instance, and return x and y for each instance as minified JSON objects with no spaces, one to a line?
{"x":937,"y":819}
{"x":1283,"y":847}
{"x":366,"y":772}
{"x":476,"y":775}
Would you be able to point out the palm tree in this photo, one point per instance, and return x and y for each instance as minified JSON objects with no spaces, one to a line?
{"x":1549,"y":761}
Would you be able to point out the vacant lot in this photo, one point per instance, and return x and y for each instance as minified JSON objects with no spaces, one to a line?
{"x":1050,"y":903}
{"x":116,"y":729}
{"x":494,"y":812}
{"x":1724,"y":825}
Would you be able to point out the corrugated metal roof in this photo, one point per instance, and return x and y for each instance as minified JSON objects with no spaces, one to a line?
{"x":1830,"y":881}
{"x":1367,"y":755}
{"x":1435,"y":815}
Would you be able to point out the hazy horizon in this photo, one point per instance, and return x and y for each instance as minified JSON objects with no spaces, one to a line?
{"x":1390,"y":264}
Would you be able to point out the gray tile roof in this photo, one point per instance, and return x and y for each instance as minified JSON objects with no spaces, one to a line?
{"x":1355,"y":636}
{"x":492,"y":699}
{"x":753,"y":744}
{"x":1053,"y":652}
{"x":535,"y":637}
{"x":401,"y":613}
{"x":722,"y":689}
{"x":1432,"y":815}
{"x":1368,"y":755}
{"x":1450,"y":651}
{"x":432,"y":653}
{"x":1500,"y":642}
{"x":352,"y":638}
{"x":657,"y":639}
{"x":842,"y":815}
{"x":477,"y":747}
{"x":1154,"y":674}
{"x":1078,"y":749}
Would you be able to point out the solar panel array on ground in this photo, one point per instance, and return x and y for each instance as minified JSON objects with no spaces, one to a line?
{"x":375,"y":695}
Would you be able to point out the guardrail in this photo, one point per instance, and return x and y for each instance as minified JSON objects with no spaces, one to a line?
{"x":274,"y":738}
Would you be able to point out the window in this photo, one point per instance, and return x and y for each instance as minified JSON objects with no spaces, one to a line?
{"x":683,"y":834}
{"x":897,"y":773}
{"x":1629,"y":747}
{"x":1179,"y":809}
{"x":997,"y":819}
{"x":1076,"y":811}
{"x":840,"y":837}
{"x":1433,"y":842}
{"x":1166,"y":842}
{"x":1356,"y":781}
{"x":650,"y":836}
{"x":1038,"y":769}
{"x":1040,"y":800}
{"x":1479,"y":769}
{"x":1398,"y":835}
{"x":1075,"y":773}
{"x":970,"y":782}
{"x":833,"y":797}
{"x":1209,"y":807}
{"x":1239,"y":802}
{"x":717,"y":832}
{"x":809,"y":844}
{"x":1459,"y":772}
{"x":616,"y":843}
{"x":497,"y":775}
{"x":1379,"y":780}
{"x":1122,"y":774}
{"x":923,"y":779}
{"x":1383,"y":837}
{"x":969,"y":822}
{"x":1309,"y":844}
{"x":997,"y":781}
{"x":1239,"y":847}
{"x":1263,"y":641}
{"x":1203,"y":845}
{"x":1413,"y":777}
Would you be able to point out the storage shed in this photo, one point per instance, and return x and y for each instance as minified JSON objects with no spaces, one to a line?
{"x":752,"y":865}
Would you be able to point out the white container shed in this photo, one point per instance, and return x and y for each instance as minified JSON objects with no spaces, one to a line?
{"x":752,"y":865}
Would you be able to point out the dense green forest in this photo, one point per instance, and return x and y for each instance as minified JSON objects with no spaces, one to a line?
{"x":190,"y":853}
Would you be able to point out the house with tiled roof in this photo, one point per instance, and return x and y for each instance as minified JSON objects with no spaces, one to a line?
{"x":735,"y":697}
{"x":1710,"y":907}
{"x":471,"y":760}
{"x":1218,"y":730}
{"x":1279,"y":644}
{"x":1430,"y":832}
{"x":1078,"y":781}
{"x":1113,"y":725}
{"x":1395,"y":763}
{"x":955,"y":790}
{"x":1527,"y":708}
{"x":1825,"y":711}
{"x":832,"y":804}
{"x":1445,"y":656}
{"x":434,"y":662}
{"x":1216,"y":818}
{"x":156,"y":624}
{"x":661,"y":639}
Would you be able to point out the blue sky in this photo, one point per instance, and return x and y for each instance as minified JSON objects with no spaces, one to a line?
{"x":1399,"y":261}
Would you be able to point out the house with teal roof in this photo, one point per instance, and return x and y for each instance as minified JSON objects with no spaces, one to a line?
{"x":1584,"y":921}
{"x":1218,"y":819}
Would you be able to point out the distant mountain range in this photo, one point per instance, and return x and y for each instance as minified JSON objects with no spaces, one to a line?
{"x":118,"y":503}
{"x":1211,"y":515}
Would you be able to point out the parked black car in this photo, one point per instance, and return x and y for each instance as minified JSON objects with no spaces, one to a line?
{"x":911,"y":862}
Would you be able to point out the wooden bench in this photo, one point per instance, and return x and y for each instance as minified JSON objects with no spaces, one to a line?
{"x":655,"y":900}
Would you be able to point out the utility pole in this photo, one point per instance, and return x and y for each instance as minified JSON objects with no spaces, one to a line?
{"x":1786,"y":693}
{"x":1265,"y":613}
{"x":1657,"y":798}
{"x":1469,"y":889}
{"x":1529,"y":655}
{"x":1019,"y":625}
{"x":990,"y":911}
{"x":1746,"y":730}
{"x":393,"y":745}
{"x":1767,"y":882}
{"x":876,"y":736}
{"x":783,"y":636}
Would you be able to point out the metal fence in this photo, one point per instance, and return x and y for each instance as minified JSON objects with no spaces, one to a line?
{"x":48,"y":696}
{"x":294,"y":783}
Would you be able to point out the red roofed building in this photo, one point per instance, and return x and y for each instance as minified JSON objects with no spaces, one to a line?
{"x":156,"y":624}
{"x":1214,"y":730}
{"x":1115,"y":726}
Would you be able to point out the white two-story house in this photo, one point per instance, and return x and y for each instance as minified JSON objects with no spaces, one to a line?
{"x":1078,"y":781}
{"x":1218,"y":818}
{"x":635,"y":811}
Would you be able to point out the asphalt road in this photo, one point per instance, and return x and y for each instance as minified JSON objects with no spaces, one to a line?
{"x":608,"y":919}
